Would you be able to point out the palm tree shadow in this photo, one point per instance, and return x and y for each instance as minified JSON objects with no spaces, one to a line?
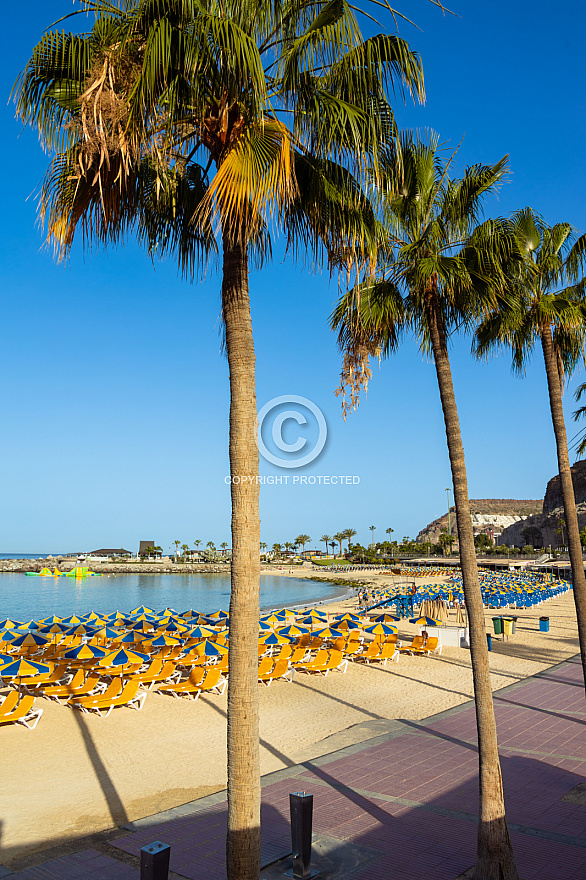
{"x":113,"y":800}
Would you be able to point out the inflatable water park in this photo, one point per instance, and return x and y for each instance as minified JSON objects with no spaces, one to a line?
{"x":79,"y":571}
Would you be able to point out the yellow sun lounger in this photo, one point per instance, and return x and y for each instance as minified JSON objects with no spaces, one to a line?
{"x":127,"y":696}
{"x":165,"y":672}
{"x":281,"y":670}
{"x":20,"y":710}
{"x":379,"y":653}
{"x":324,"y":662}
{"x":415,"y":645}
{"x":432,"y":646}
{"x":202,"y":678}
{"x":81,"y":685}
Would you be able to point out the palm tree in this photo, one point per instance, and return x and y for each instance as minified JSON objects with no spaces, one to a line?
{"x":349,"y":534}
{"x":280,"y":104}
{"x":434,"y":275}
{"x":196,"y":544}
{"x":548,"y":305}
{"x":277,"y":549}
{"x":326,"y":539}
{"x":372,"y":531}
{"x":339,"y":537}
{"x":224,"y":546}
{"x":303,"y":540}
{"x":389,"y":532}
{"x":177,"y":544}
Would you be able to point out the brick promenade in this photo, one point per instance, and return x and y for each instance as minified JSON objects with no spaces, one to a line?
{"x":399,"y":805}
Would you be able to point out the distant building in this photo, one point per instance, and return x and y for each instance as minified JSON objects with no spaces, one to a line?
{"x":119,"y":552}
{"x":145,"y":547}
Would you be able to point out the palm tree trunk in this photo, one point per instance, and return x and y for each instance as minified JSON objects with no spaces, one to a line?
{"x":494,"y":853}
{"x":243,"y":838}
{"x":570,"y":514}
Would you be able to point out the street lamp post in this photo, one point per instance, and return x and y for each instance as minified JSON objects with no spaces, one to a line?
{"x":449,"y":520}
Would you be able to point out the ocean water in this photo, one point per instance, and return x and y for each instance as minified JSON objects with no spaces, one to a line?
{"x":27,"y":555}
{"x":26,"y":598}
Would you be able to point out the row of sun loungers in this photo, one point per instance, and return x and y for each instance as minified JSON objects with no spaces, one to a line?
{"x":179,"y":673}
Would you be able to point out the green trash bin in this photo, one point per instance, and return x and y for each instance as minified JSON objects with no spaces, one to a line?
{"x":497,"y":622}
{"x":508,"y":626}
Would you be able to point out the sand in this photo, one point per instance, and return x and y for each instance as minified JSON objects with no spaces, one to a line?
{"x":78,"y":774}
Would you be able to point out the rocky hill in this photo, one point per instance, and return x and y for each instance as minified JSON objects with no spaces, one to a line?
{"x":500,"y":512}
{"x":545,"y":526}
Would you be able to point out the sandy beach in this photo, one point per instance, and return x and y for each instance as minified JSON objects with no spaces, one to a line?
{"x":78,"y":774}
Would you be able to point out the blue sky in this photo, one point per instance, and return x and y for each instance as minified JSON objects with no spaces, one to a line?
{"x":115,"y":395}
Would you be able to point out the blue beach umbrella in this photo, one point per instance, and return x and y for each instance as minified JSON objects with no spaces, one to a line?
{"x":22,"y":669}
{"x":7,"y":623}
{"x":310,"y":621}
{"x":85,"y":652}
{"x":293,"y":630}
{"x":53,"y":628}
{"x":142,"y":610}
{"x":380,"y":629}
{"x":208,"y":649}
{"x":143,"y":626}
{"x":107,"y":632}
{"x":132,"y":637}
{"x":29,"y":640}
{"x":425,"y":621}
{"x":163,"y":640}
{"x":275,"y":639}
{"x":329,"y":632}
{"x":8,"y":635}
{"x":173,"y":627}
{"x":123,"y":657}
{"x":201,"y":632}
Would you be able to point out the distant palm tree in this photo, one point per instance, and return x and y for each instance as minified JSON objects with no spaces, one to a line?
{"x":196,"y":544}
{"x":333,"y":545}
{"x":303,"y":540}
{"x":224,"y":546}
{"x":389,"y":532}
{"x":177,"y":543}
{"x":339,"y":538}
{"x":210,"y":545}
{"x":277,"y":549}
{"x":326,"y":539}
{"x":372,"y":530}
{"x":349,"y":534}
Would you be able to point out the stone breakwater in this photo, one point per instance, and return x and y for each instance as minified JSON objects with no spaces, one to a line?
{"x":65,"y":565}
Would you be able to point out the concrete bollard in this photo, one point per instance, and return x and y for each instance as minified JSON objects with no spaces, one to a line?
{"x":154,"y":861}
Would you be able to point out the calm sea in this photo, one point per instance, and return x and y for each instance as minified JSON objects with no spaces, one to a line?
{"x":23,"y":597}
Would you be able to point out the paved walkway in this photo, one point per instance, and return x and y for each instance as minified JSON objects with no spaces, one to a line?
{"x":400,"y":804}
